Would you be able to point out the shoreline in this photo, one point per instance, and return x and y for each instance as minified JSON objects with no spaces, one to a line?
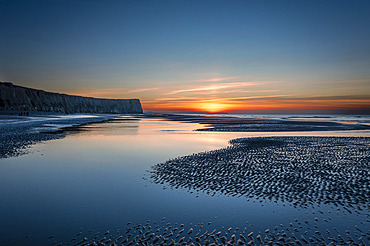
{"x":19,"y":133}
{"x":242,"y":124}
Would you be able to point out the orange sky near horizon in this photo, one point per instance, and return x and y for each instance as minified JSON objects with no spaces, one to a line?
{"x":233,"y":94}
{"x":224,"y":106}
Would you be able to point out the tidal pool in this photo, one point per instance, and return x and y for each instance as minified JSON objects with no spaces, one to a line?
{"x":97,"y":179}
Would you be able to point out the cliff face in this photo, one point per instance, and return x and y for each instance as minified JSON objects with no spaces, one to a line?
{"x":13,"y":97}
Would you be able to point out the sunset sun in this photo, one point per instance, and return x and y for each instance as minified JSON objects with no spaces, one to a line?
{"x":213,"y":107}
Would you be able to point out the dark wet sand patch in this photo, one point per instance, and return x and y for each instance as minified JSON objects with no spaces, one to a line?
{"x":17,"y":138}
{"x":300,"y":171}
{"x":15,"y":142}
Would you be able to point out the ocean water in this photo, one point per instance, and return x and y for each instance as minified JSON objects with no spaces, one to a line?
{"x":97,"y":180}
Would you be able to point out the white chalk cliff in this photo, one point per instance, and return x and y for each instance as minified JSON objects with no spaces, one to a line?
{"x":18,"y":98}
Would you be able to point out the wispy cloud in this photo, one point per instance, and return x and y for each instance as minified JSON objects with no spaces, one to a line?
{"x":218,"y":79}
{"x":239,"y":90}
{"x":143,"y":89}
{"x":215,"y":87}
{"x":175,"y":98}
{"x":257,"y":97}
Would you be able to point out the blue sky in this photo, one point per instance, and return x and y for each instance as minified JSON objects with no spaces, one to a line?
{"x":207,"y":52}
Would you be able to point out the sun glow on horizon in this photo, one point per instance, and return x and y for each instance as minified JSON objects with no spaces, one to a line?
{"x":212,"y":107}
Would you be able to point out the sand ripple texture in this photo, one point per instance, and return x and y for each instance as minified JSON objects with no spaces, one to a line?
{"x":167,"y":233}
{"x":15,"y":141}
{"x":302,"y":171}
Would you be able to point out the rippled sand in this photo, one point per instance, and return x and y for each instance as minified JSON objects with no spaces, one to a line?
{"x":304,"y":171}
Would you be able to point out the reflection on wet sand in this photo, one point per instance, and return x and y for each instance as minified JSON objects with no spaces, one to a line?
{"x":122,"y":125}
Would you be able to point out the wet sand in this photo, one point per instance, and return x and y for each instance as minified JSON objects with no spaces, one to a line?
{"x":305,"y":173}
{"x":237,"y":124}
{"x":301,"y":171}
{"x":204,"y":233}
{"x":18,"y":133}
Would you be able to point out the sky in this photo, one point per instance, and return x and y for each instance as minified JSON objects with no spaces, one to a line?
{"x":205,"y":56}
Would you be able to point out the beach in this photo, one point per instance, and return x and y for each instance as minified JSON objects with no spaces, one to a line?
{"x":20,"y":132}
{"x":171,"y":179}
